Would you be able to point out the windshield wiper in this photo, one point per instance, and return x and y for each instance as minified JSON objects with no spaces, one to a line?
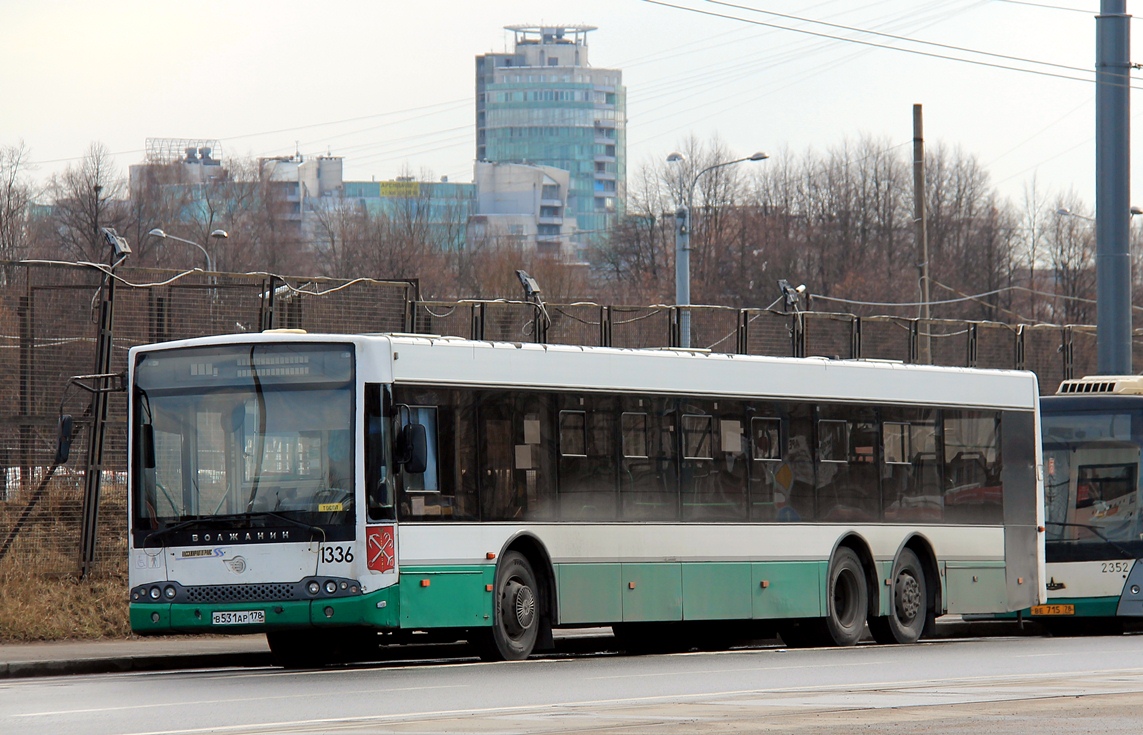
{"x":227,"y":518}
{"x":1095,"y":530}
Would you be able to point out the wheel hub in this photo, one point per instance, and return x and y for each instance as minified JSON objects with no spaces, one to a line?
{"x":525,"y":607}
{"x":907,"y":597}
{"x":518,"y":610}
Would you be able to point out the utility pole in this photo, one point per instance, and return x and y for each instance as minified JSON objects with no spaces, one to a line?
{"x":99,"y":400}
{"x":1112,"y":187}
{"x":921,"y":235}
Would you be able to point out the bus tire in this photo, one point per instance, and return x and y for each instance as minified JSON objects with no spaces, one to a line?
{"x":847,"y":599}
{"x":515,"y":612}
{"x":908,"y":609}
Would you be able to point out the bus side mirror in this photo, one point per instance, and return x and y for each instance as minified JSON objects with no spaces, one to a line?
{"x":64,"y":430}
{"x":147,"y":446}
{"x":413,"y":448}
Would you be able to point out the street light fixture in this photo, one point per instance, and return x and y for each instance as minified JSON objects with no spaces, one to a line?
{"x":683,"y":242}
{"x":216,"y":234}
{"x":1065,"y":212}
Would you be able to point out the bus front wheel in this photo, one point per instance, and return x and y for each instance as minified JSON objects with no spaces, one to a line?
{"x":515,"y":612}
{"x":908,"y":608}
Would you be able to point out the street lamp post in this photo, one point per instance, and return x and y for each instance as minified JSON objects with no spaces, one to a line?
{"x":216,"y":234}
{"x":683,"y":242}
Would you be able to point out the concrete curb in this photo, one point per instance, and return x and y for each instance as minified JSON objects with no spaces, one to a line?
{"x":112,"y":664}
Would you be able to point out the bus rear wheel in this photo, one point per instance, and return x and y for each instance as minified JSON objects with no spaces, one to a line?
{"x":848,"y":599}
{"x":515,"y":612}
{"x":908,"y":608}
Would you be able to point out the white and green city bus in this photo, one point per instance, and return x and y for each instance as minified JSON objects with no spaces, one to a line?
{"x":338,"y":491}
{"x":1092,"y":435}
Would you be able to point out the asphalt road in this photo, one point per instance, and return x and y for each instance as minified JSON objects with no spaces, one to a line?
{"x":1005,"y":685}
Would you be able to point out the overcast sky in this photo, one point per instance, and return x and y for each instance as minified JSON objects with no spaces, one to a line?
{"x":388,"y":85}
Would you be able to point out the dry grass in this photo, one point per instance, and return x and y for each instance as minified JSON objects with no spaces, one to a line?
{"x":41,"y":598}
{"x":38,"y":608}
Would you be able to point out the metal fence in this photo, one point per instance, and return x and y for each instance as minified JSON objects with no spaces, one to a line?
{"x":49,"y":326}
{"x":48,"y":334}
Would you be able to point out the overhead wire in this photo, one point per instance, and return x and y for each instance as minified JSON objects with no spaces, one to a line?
{"x":670,"y":85}
{"x":896,"y":37}
{"x":918,"y":52}
{"x":706,"y":108}
{"x":1045,"y":5}
{"x":799,"y":78}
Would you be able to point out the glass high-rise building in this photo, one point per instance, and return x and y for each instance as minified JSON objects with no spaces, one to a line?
{"x":543,"y":104}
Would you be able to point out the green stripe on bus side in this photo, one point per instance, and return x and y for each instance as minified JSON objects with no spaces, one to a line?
{"x":446,"y":597}
{"x":610,"y":593}
{"x":795,"y":589}
{"x":589,"y":593}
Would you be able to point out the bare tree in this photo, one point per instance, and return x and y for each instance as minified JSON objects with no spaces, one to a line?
{"x":339,"y":238}
{"x":635,"y":262}
{"x":1071,"y":252}
{"x":86,"y":198}
{"x":15,"y":197}
{"x":1033,"y":225}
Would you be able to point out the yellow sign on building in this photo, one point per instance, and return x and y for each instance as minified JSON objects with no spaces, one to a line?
{"x":400,"y":189}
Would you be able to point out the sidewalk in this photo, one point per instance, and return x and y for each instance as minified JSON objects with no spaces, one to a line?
{"x":193,"y":652}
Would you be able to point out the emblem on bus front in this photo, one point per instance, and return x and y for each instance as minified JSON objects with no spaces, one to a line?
{"x":237,"y":564}
{"x":379,"y":541}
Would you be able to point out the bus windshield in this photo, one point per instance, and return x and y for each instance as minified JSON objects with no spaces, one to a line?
{"x":1091,"y":483}
{"x":238,"y":432}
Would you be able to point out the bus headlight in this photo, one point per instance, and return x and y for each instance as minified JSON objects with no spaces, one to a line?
{"x":155,"y":593}
{"x":313,"y":587}
{"x":330,"y":587}
{"x":169,"y":593}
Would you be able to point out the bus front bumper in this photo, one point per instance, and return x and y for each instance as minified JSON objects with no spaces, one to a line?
{"x":374,"y":610}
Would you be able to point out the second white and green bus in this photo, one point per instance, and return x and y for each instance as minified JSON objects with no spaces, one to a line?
{"x":1093,"y":453}
{"x":343,"y":491}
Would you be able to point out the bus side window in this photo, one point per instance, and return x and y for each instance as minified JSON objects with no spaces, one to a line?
{"x":911,"y":485}
{"x":849,"y":482}
{"x":972,"y":466}
{"x":797,"y":503}
{"x":587,"y":465}
{"x":648,"y":471}
{"x":769,"y":475}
